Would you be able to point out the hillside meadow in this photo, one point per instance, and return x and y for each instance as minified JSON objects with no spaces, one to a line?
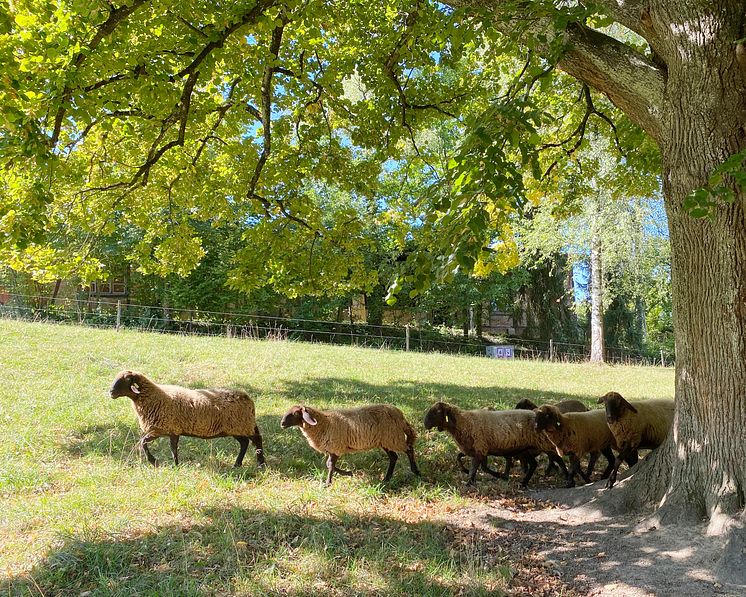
{"x":82,"y":513}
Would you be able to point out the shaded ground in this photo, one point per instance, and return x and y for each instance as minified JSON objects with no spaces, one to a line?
{"x":578,"y":551}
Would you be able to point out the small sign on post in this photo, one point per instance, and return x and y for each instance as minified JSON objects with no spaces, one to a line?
{"x":501,"y":351}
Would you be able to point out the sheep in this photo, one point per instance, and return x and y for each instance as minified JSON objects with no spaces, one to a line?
{"x":172,"y":411}
{"x":337,"y":432}
{"x":482,"y":433}
{"x":565,"y":406}
{"x":635,"y":425}
{"x":575,"y":434}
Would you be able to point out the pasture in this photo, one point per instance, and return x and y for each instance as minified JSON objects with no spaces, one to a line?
{"x":82,"y":513}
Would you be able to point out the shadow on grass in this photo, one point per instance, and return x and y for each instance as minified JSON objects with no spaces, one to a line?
{"x":415,"y":395}
{"x":287,"y":451}
{"x":238,"y":551}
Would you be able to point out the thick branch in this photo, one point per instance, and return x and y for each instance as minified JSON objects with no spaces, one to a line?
{"x":630,"y":80}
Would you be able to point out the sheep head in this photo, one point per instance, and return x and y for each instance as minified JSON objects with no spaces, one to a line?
{"x":127,"y":383}
{"x":296,"y":416}
{"x":526,"y":404}
{"x":440,"y":415}
{"x":615,"y":406}
{"x":548,"y":419}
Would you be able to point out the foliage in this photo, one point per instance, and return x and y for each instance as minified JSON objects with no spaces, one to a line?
{"x":242,"y":118}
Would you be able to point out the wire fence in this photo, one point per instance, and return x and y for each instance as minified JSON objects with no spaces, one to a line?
{"x":118,"y":314}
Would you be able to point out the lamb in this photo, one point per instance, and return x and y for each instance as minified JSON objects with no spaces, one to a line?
{"x":575,"y":434}
{"x":172,"y":411}
{"x":634,"y":425}
{"x":482,"y":433}
{"x":337,"y":432}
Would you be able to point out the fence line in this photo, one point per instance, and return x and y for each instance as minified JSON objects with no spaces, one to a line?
{"x":107,"y":313}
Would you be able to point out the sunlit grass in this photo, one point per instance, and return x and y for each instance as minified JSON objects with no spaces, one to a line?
{"x":81,"y":512}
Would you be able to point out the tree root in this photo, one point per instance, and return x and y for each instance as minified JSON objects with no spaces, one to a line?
{"x":730,"y":568}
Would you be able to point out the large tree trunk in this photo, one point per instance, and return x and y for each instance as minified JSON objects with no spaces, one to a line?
{"x":597,"y":304}
{"x":700,"y":472}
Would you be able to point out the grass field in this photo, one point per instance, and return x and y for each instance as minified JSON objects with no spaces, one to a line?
{"x":82,"y":514}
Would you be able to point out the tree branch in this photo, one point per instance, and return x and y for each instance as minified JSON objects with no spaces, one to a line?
{"x":629,"y":79}
{"x":116,"y":16}
{"x":632,"y":81}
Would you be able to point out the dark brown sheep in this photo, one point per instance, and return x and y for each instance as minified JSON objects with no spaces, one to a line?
{"x":575,"y":434}
{"x":172,"y":411}
{"x":635,"y":425}
{"x":482,"y":433}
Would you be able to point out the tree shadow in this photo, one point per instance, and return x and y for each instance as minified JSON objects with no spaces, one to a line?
{"x":412,"y":394}
{"x":240,"y":551}
{"x":288,"y":453}
{"x":614,"y":554}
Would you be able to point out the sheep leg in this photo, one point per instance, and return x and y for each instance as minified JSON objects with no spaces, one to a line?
{"x":591,"y":465}
{"x":574,"y":470}
{"x":508,"y":467}
{"x":144,"y":441}
{"x":243,"y":441}
{"x":175,"y":448}
{"x":556,"y":461}
{"x":475,"y":462}
{"x":393,"y":456}
{"x":460,"y":459}
{"x":488,"y":470}
{"x":626,"y":453}
{"x":331,"y":467}
{"x":611,"y":461}
{"x":256,"y":439}
{"x":412,"y":463}
{"x":529,"y":464}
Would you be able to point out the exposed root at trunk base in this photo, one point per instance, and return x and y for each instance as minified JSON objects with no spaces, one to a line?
{"x":731,"y":568}
{"x":649,"y":493}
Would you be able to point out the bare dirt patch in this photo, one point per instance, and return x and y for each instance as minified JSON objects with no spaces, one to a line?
{"x":559,"y":550}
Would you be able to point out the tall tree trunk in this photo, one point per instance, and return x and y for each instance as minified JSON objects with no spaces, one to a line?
{"x":700,"y":472}
{"x":597,"y":303}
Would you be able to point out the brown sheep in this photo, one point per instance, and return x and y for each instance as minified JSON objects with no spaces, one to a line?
{"x":635,"y":425}
{"x":482,"y":433}
{"x":338,"y":432}
{"x":172,"y":411}
{"x":574,"y":434}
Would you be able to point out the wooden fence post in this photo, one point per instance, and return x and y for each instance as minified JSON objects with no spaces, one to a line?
{"x":119,"y":315}
{"x":406,"y":332}
{"x":663,"y":361}
{"x":551,"y":349}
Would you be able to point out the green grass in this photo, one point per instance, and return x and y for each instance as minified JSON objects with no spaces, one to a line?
{"x":81,"y":512}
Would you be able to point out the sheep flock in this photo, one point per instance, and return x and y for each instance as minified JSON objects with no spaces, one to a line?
{"x":566,"y":429}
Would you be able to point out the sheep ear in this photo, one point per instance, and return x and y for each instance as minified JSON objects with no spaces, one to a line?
{"x":135,"y":388}
{"x":629,"y":406}
{"x":307,"y":417}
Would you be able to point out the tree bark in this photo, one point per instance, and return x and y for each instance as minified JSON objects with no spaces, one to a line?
{"x":597,"y":304}
{"x":697,"y":115}
{"x":700,"y":472}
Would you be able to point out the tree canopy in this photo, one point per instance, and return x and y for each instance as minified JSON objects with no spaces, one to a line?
{"x":138,"y":124}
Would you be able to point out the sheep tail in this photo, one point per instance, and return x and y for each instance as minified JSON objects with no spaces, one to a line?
{"x":410,"y":433}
